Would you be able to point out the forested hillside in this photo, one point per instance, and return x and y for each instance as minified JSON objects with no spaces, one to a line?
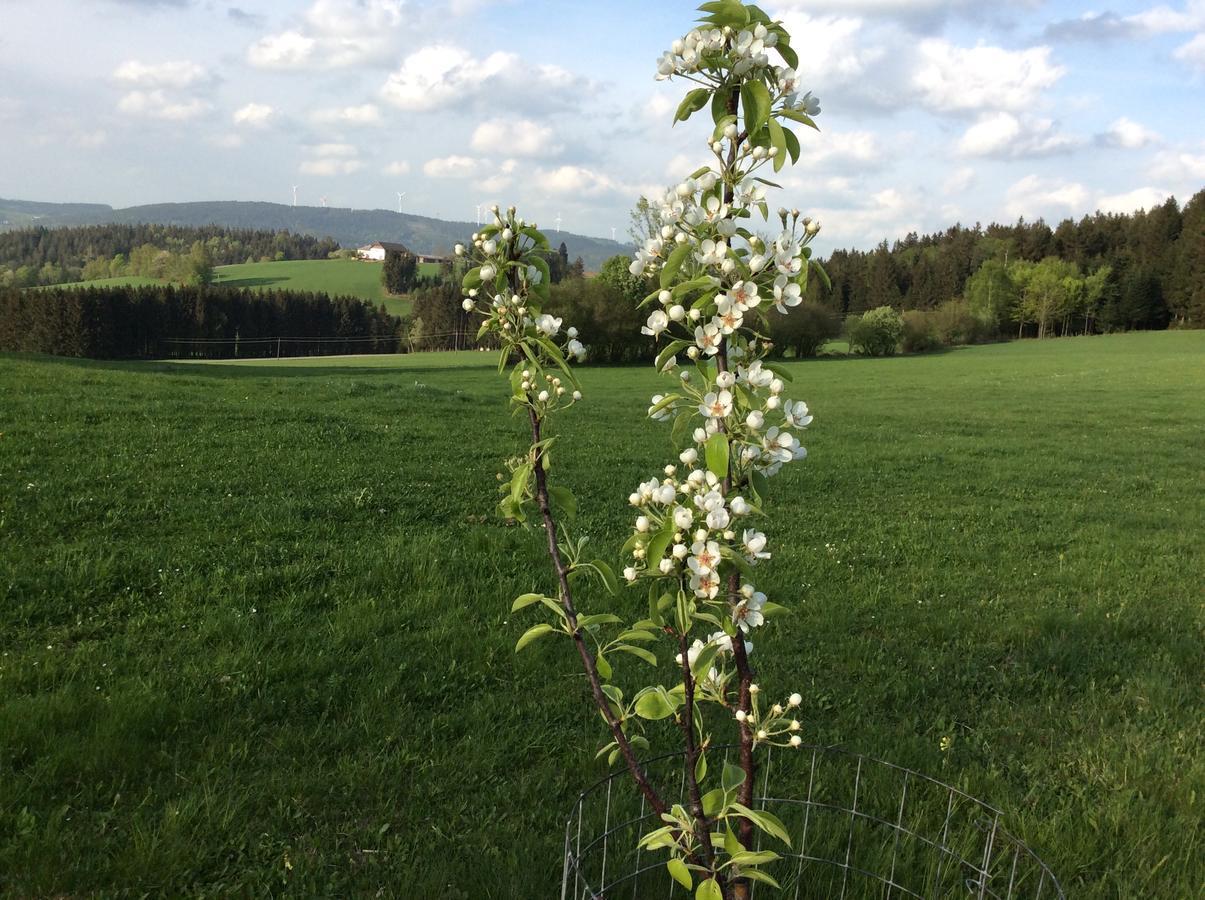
{"x":42,"y":256}
{"x":1104,"y":272}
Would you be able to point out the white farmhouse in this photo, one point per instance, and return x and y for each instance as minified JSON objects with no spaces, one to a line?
{"x":376,"y":251}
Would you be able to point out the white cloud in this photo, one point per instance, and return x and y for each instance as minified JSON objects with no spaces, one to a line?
{"x":333,"y":34}
{"x":1193,"y":53}
{"x":1004,"y":135}
{"x":1179,"y":167}
{"x":1034,"y":197}
{"x":158,"y":104}
{"x":967,"y":79}
{"x":178,"y":74}
{"x":332,"y":159}
{"x":1141,"y":198}
{"x":517,"y":137}
{"x":959,"y":180}
{"x":867,"y":219}
{"x":256,"y":115}
{"x":1162,"y":19}
{"x":289,"y":50}
{"x":365,"y":114}
{"x":1128,"y":135}
{"x":578,"y":181}
{"x":852,"y":149}
{"x":441,"y":75}
{"x":398,"y":167}
{"x":453,"y":167}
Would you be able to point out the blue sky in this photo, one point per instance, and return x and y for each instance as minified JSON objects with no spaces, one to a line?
{"x":934,"y":111}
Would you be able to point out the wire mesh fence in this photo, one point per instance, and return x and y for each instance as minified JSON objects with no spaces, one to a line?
{"x":860,"y":828}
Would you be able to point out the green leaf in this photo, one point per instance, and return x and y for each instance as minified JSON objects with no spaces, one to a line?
{"x":780,"y":370}
{"x":709,"y":890}
{"x":789,"y":56}
{"x":667,"y":400}
{"x":638,"y":652}
{"x":691,"y":104}
{"x":535,"y":631}
{"x":759,"y":482}
{"x":518,"y":483}
{"x":778,"y":141}
{"x":796,"y":116}
{"x":759,"y":875}
{"x":563,"y":498}
{"x":637,"y":634}
{"x":732,"y":777}
{"x":524,"y":601}
{"x":653,"y":705}
{"x":682,"y":428}
{"x":716,"y":452}
{"x":756,"y":100}
{"x":714,"y":802}
{"x":701,"y":767}
{"x":792,"y":144}
{"x":659,"y":543}
{"x":679,"y":872}
{"x":703,"y":661}
{"x":604,"y":667}
{"x":671,"y":350}
{"x":598,"y":619}
{"x":472,"y":279}
{"x":673,"y":263}
{"x":750,"y":858}
{"x":607,"y":574}
{"x":731,"y":844}
{"x":767,"y":822}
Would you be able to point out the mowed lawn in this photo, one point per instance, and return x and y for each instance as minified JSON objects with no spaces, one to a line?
{"x":256,"y":636}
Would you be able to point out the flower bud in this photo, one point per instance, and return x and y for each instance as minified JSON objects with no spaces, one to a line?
{"x":634,"y":499}
{"x":795,"y":700}
{"x":677,"y":312}
{"x":753,"y":689}
{"x":761,"y":734}
{"x":666,"y":566}
{"x":664,"y":297}
{"x":542,"y":396}
{"x":741,"y":715}
{"x":669,"y":470}
{"x":459,"y":249}
{"x":468,"y":305}
{"x":577,"y":395}
{"x":689,"y":456}
{"x":629,"y":574}
{"x":642,"y":524}
{"x":796,"y":740}
{"x":813,"y":228}
{"x":730,"y":130}
{"x":725,"y":380}
{"x":717,"y":147}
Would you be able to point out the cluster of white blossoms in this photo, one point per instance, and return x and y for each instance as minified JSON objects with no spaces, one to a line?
{"x":508,"y":282}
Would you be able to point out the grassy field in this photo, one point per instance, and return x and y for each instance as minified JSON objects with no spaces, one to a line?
{"x":347,"y":277}
{"x":257,"y":640}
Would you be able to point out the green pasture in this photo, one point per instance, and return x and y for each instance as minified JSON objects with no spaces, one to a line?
{"x":256,"y":640}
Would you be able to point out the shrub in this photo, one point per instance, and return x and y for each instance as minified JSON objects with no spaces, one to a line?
{"x":808,"y":328}
{"x":876,"y":333}
{"x":920,"y":333}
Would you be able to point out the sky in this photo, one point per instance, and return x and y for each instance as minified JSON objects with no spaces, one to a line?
{"x":933,"y":111}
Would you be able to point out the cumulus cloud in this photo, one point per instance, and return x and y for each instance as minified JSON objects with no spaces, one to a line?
{"x":515,"y":137}
{"x":1181,"y":167}
{"x":955,"y":79}
{"x":1127,"y":135}
{"x":959,"y":180}
{"x":1004,"y":135}
{"x":453,"y":167}
{"x":256,"y":115}
{"x":159,"y":104}
{"x":1109,"y":25}
{"x":364,"y":114}
{"x":397,"y":167}
{"x":578,"y":181}
{"x":1140,"y":198}
{"x":440,"y":75}
{"x":332,"y":159}
{"x":1193,"y":53}
{"x":1034,"y":197}
{"x":175,"y":74}
{"x":333,"y":34}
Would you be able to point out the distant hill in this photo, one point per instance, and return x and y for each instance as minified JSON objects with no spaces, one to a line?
{"x":351,"y":228}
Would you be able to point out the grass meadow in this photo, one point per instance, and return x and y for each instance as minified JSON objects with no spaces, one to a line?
{"x":337,"y":277}
{"x":256,"y":636}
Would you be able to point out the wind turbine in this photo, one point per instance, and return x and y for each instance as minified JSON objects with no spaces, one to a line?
{"x":400,"y":195}
{"x":323,"y":201}
{"x":295,"y":195}
{"x":558,"y":223}
{"x":612,"y":233}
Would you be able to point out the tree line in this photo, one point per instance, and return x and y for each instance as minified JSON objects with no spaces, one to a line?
{"x":1104,"y":272}
{"x":167,"y":321}
{"x":44,"y":256}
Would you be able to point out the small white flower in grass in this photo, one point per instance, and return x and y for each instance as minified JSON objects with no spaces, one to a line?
{"x":794,"y":700}
{"x":577,"y":395}
{"x":795,"y":414}
{"x":657,"y":323}
{"x":629,"y":574}
{"x":548,"y":324}
{"x":715,"y":405}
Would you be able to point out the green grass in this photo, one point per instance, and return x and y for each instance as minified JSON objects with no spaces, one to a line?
{"x":346,"y":277}
{"x":257,"y":640}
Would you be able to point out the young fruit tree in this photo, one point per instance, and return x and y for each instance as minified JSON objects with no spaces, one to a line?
{"x":697,"y":543}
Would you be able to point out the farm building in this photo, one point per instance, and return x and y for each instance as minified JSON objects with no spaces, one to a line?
{"x":378,"y":250}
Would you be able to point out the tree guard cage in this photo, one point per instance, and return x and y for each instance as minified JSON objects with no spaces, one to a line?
{"x":859,"y":827}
